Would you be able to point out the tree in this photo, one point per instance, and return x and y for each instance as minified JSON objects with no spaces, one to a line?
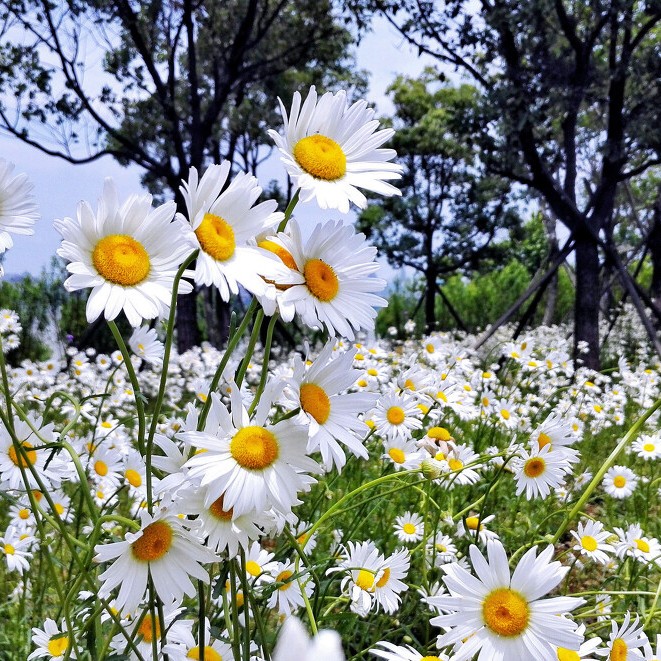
{"x":450,"y":209}
{"x":179,"y":85}
{"x":572,"y":89}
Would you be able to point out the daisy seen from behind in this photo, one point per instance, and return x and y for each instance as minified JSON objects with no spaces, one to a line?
{"x":163,"y":549}
{"x":225,"y":226}
{"x":18,"y":210}
{"x":330,"y":150}
{"x":501,"y":615}
{"x":128,"y":255}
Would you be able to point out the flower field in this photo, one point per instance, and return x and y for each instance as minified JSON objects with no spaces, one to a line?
{"x":355,"y":499}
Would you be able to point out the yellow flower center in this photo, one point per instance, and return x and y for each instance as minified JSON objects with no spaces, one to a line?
{"x":253,"y":568}
{"x":543,"y":440}
{"x":210,"y":654}
{"x":365,"y":580}
{"x":373,"y":372}
{"x":439,"y":433}
{"x":506,"y":612}
{"x":321,"y":280}
{"x":648,"y":447}
{"x":133,"y":477}
{"x":505,"y":413}
{"x":283,"y":577}
{"x":154,"y":543}
{"x":321,"y":157}
{"x":619,"y":481}
{"x":217,"y":509}
{"x":145,"y":628}
{"x":24,"y":514}
{"x":430,"y":348}
{"x":567,"y":655}
{"x":455,"y":464}
{"x":101,"y":468}
{"x":408,"y":528}
{"x":642,"y":545}
{"x":395,"y":415}
{"x":385,"y":577}
{"x":57,"y":646}
{"x":534,"y":467}
{"x":216,"y":237}
{"x":26,"y":459}
{"x":285,"y":256}
{"x":472,"y":523}
{"x":589,"y":543}
{"x":430,"y":658}
{"x":254,"y":448}
{"x":9,"y":549}
{"x":397,"y":455}
{"x":59,"y":508}
{"x":619,"y":650}
{"x":315,"y":401}
{"x":442,"y":396}
{"x":120,"y":259}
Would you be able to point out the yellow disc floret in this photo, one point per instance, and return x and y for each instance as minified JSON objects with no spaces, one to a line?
{"x":365,"y":580}
{"x":57,"y":645}
{"x":155,"y":542}
{"x":216,"y":237}
{"x":133,"y":477}
{"x":315,"y":401}
{"x":395,"y":415}
{"x":408,"y":528}
{"x":283,"y":577}
{"x":284,"y":254}
{"x":321,"y":157}
{"x":567,"y":655}
{"x":217,"y":509}
{"x":619,"y":481}
{"x":120,"y":259}
{"x":534,"y":467}
{"x":254,"y":448}
{"x":397,"y":455}
{"x":210,"y":654}
{"x":439,"y":434}
{"x":27,"y":458}
{"x":146,"y":631}
{"x":543,"y":440}
{"x":321,"y":280}
{"x":619,"y":650}
{"x":589,"y":543}
{"x":506,"y":612}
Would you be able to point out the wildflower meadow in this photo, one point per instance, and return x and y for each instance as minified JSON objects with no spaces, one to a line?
{"x":357,"y":498}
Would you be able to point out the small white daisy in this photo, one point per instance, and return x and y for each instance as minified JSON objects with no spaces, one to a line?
{"x":591,"y":541}
{"x":409,"y":527}
{"x":18,"y":211}
{"x":626,"y":641}
{"x":539,"y":472}
{"x":52,"y":643}
{"x":620,"y":481}
{"x":144,"y":342}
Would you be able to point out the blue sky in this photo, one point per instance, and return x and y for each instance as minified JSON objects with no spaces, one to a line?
{"x":59,"y":186}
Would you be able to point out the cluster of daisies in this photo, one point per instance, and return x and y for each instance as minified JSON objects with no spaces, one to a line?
{"x":184,"y":506}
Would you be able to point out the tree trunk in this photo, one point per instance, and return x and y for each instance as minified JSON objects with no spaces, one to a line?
{"x":654,"y":244}
{"x":188,"y":334}
{"x":211,"y":316}
{"x":552,"y":287}
{"x":430,"y":300}
{"x":586,"y":310}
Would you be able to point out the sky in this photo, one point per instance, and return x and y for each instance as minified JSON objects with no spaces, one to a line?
{"x":59,"y":186}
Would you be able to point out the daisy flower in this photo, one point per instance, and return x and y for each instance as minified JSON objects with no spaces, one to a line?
{"x":214,"y":650}
{"x":252,"y":464}
{"x":18,"y":211}
{"x":129,"y":255}
{"x":259,"y":564}
{"x":585,"y":650}
{"x":162,"y":549}
{"x":476,"y":527}
{"x":396,"y":416}
{"x":626,"y":641}
{"x":51,"y":642}
{"x":294,"y":643}
{"x":144,"y":342}
{"x":329,"y":279}
{"x":15,"y":547}
{"x":634,"y":543}
{"x":440,"y":550}
{"x":331,"y":416}
{"x":647,"y":447}
{"x":591,"y":541}
{"x":539,"y":472}
{"x":499,"y":614}
{"x":404,"y":455}
{"x":652,"y":655}
{"x":288,"y":597}
{"x":409,"y":527}
{"x":225,"y":226}
{"x":620,"y":481}
{"x":392,"y":652}
{"x":329,"y":150}
{"x":389,"y":584}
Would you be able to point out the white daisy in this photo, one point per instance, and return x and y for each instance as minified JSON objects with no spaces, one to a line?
{"x":633,"y":543}
{"x":15,"y":546}
{"x":252,"y":464}
{"x":539,"y":472}
{"x":51,"y":642}
{"x":585,"y":650}
{"x":294,"y":643}
{"x":288,"y":597}
{"x":396,"y":416}
{"x":129,"y":255}
{"x":591,"y":541}
{"x":163,"y":549}
{"x":18,"y":211}
{"x":329,"y":279}
{"x":625,"y":641}
{"x":329,"y":150}
{"x":389,"y":584}
{"x":409,"y":527}
{"x":391,"y":652}
{"x":225,"y":226}
{"x":144,"y":342}
{"x":647,"y":447}
{"x":620,"y":481}
{"x":332,"y":417}
{"x":501,"y":615}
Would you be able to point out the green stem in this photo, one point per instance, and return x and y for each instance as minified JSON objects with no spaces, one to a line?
{"x":250,"y":350}
{"x":289,"y":210}
{"x":596,"y":480}
{"x":265,"y":364}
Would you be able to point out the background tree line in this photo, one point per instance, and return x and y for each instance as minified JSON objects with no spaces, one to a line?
{"x":547,"y":107}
